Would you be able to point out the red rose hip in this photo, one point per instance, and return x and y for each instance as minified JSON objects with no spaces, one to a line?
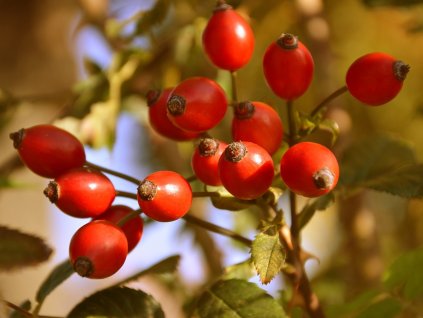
{"x":288,"y":67}
{"x":309,"y":169}
{"x":246,"y":170}
{"x":157,"y":113}
{"x":197,"y":104}
{"x":228,"y":39}
{"x":259,"y":123}
{"x":164,"y":196}
{"x":48,"y":150}
{"x":376,"y":78}
{"x":205,"y":160}
{"x":133,"y":227}
{"x":81,"y":192}
{"x":98,"y":249}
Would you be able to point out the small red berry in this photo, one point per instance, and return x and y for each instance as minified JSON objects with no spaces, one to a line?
{"x":164,"y":196}
{"x":48,"y":150}
{"x":98,"y":249}
{"x":197,"y":104}
{"x":288,"y":67}
{"x":309,"y":169}
{"x":376,"y":78}
{"x":81,"y":192}
{"x":133,"y":228}
{"x":205,"y":159}
{"x":246,"y":170}
{"x":259,"y":123}
{"x":157,"y":113}
{"x":228,"y":39}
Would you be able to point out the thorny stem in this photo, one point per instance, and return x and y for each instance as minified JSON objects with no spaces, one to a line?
{"x":217,"y":229}
{"x":328,"y":99}
{"x":112,"y":172}
{"x":298,"y":278}
{"x":23,"y":312}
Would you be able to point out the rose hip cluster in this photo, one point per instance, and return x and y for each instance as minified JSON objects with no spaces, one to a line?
{"x":244,"y":166}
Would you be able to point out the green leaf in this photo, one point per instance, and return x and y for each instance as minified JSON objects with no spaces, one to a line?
{"x":18,"y":249}
{"x":153,"y":17}
{"x":320,"y":204}
{"x":402,"y":3}
{"x":59,"y":274}
{"x":406,"y":182}
{"x":405,"y":273}
{"x":367,"y":160}
{"x":386,"y":308}
{"x":168,"y":265}
{"x":225,"y":201}
{"x":244,"y":270}
{"x":118,"y":302}
{"x":237,"y":299}
{"x":353,"y":306}
{"x":268,"y":256}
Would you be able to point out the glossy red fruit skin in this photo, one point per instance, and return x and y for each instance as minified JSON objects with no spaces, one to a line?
{"x":205,"y":166}
{"x":171,"y":198}
{"x":81,"y":192}
{"x":157,"y":114}
{"x":228,"y":39}
{"x":98,"y":249}
{"x":258,"y":123}
{"x":48,"y":150}
{"x":133,"y":228}
{"x":299,"y":166}
{"x":251,"y":176}
{"x":197,"y":104}
{"x":288,"y":71}
{"x":372,"y":78}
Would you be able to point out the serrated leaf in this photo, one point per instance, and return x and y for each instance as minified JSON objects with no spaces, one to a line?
{"x":168,"y":265}
{"x":57,"y":276}
{"x":386,"y":308}
{"x":118,"y":302}
{"x":405,"y":273}
{"x":268,"y":256}
{"x":371,"y":158}
{"x":237,"y":298}
{"x":153,"y":17}
{"x":244,"y":270}
{"x":320,"y":204}
{"x":406,"y":182}
{"x":19,"y":249}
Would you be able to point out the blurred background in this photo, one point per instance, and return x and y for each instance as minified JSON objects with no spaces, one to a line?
{"x":54,"y":59}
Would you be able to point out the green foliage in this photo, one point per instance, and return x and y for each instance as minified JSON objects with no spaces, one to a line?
{"x":268,"y":255}
{"x":118,"y":302}
{"x":225,"y":201}
{"x":59,"y":274}
{"x":26,"y":305}
{"x":244,"y":270}
{"x":405,"y":275}
{"x":153,"y":17}
{"x":386,"y":308}
{"x":237,"y":298}
{"x":19,"y":249}
{"x":384,"y":164}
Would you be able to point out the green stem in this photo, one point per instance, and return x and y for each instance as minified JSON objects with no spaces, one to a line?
{"x":234,"y":88}
{"x":328,"y":99}
{"x":128,"y":217}
{"x":217,"y":229}
{"x":112,"y":172}
{"x":125,"y":194}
